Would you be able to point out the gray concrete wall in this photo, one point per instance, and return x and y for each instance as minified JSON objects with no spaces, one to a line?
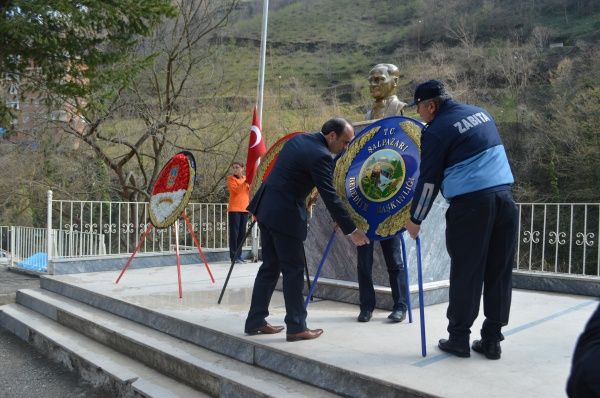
{"x":141,"y":260}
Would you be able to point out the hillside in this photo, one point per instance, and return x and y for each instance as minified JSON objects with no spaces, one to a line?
{"x":527,"y":62}
{"x":535,"y":65}
{"x":333,"y":40}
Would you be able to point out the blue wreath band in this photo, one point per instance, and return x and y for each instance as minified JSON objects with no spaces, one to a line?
{"x":377,"y":175}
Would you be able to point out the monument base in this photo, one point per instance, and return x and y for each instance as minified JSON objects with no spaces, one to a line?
{"x":347,"y":292}
{"x":338,"y":280}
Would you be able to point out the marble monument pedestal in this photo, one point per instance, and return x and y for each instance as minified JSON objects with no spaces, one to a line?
{"x":338,"y":280}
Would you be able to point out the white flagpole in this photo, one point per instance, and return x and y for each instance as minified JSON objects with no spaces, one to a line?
{"x":263,"y":52}
{"x":259,"y":98}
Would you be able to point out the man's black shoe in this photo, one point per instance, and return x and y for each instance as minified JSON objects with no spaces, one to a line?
{"x":491,"y":349}
{"x":364,"y":316}
{"x":397,"y":316}
{"x":454,"y":349}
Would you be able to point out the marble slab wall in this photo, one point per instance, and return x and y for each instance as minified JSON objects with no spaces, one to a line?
{"x":341,"y":262}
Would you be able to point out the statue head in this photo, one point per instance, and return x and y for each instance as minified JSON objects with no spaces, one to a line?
{"x":383,"y":79}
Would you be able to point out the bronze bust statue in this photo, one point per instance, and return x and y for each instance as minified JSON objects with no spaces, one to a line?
{"x":383,"y":80}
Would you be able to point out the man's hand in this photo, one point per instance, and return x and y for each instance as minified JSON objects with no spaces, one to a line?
{"x":413,"y":229}
{"x":359,"y":238}
{"x":312,"y":198}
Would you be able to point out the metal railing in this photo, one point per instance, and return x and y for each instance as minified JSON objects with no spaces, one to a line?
{"x":67,"y":243}
{"x":552,"y":237}
{"x":559,"y":238}
{"x":121,"y":224}
{"x":28,"y":248}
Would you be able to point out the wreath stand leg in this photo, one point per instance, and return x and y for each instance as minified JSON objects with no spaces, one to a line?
{"x":178,"y":258}
{"x":142,"y":239}
{"x":202,"y":256}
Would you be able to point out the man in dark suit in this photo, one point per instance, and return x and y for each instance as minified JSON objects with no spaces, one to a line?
{"x":280,"y":208}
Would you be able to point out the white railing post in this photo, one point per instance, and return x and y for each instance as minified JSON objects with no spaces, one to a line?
{"x":255,"y":242}
{"x":12,"y":245}
{"x":49,"y":238}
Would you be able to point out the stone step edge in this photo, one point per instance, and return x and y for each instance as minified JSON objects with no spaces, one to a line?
{"x":119,"y":375}
{"x":332,"y":378}
{"x":201,"y":368}
{"x":385,"y":289}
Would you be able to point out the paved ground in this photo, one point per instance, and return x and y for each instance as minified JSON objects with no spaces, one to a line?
{"x":26,"y":373}
{"x":536,"y":353}
{"x":535,"y":362}
{"x":10,"y":282}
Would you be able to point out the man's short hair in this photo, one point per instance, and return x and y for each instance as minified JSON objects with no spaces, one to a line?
{"x":238,"y":163}
{"x":337,"y":125}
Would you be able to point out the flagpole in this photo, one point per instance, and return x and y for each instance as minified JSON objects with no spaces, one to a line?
{"x":260,"y":96}
{"x":261,"y":67}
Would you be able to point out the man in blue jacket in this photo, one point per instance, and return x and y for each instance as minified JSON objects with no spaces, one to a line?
{"x":279,"y":205}
{"x":462,"y":155}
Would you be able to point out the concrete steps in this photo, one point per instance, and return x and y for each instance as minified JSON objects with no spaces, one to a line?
{"x":202,"y":369}
{"x":324,"y":377}
{"x":96,"y":363}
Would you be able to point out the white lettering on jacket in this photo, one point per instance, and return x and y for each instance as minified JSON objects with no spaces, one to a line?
{"x":471,"y":121}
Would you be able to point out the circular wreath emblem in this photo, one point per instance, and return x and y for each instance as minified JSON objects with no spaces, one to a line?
{"x":381,"y":175}
{"x":377,"y":175}
{"x":172,"y":189}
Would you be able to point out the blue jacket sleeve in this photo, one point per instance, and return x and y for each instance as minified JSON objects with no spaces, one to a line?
{"x":431,"y":173}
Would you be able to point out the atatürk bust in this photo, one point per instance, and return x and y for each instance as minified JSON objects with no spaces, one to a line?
{"x":383,"y":80}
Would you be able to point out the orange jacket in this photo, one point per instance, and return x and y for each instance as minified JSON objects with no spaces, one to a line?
{"x":239,"y":194}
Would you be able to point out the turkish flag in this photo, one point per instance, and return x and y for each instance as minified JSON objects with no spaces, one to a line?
{"x":256,"y":148}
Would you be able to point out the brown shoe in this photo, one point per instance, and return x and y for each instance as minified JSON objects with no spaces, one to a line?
{"x":308,"y":334}
{"x":265,"y":329}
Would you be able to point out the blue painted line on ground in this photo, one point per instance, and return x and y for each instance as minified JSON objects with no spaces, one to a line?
{"x":436,"y":358}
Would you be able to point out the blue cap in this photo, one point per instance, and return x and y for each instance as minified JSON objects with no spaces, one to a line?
{"x":428,"y":90}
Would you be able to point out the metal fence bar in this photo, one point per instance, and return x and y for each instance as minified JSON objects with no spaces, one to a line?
{"x":544,"y":239}
{"x":519,"y":238}
{"x":584,"y":237}
{"x":570,"y":239}
{"x":531,"y":236}
{"x":81,"y":224}
{"x":221,"y":224}
{"x":214,"y":226}
{"x":557,"y":238}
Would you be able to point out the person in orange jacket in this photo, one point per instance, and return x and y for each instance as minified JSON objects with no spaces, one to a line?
{"x":239,"y":197}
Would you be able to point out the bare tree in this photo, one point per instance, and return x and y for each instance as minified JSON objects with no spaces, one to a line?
{"x":464,"y":31}
{"x":172,"y":105}
{"x":515,"y":64}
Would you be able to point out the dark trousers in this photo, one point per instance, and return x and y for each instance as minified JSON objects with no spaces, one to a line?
{"x":391,"y":249}
{"x":237,"y":231}
{"x":481,"y":236}
{"x":285,"y":254}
